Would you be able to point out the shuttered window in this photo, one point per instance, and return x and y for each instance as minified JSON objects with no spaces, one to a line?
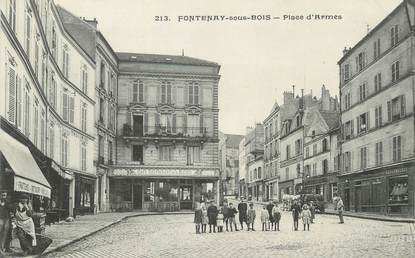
{"x":11,"y":113}
{"x":396,"y":148}
{"x":27,"y":114}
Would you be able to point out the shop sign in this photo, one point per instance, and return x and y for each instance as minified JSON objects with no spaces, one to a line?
{"x":396,"y":171}
{"x":148,"y":172}
{"x":27,"y":186}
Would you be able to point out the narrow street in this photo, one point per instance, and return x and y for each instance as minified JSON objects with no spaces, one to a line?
{"x":173,"y":236}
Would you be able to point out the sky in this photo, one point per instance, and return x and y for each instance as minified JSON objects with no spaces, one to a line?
{"x":259,"y":59}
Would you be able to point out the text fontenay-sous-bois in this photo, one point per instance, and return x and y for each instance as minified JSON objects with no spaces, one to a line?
{"x":255,"y":18}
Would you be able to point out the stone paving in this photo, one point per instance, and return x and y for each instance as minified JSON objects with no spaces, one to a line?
{"x":173,"y":236}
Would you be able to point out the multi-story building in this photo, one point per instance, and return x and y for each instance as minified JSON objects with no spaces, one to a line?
{"x":167,"y":146}
{"x":243,"y":170}
{"x":229,"y":163}
{"x":252,"y":160}
{"x":44,"y":97}
{"x":321,"y":149}
{"x":377,"y":116}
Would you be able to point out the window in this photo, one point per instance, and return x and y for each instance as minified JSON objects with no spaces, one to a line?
{"x":193,"y":122}
{"x":360,"y":61}
{"x":54,"y":42}
{"x":42,"y":131}
{"x":64,"y":151}
{"x":336,"y":163}
{"x":65,"y":61}
{"x":297,"y":121}
{"x":397,"y":148}
{"x":394,"y":35}
{"x":347,"y":100}
{"x":166,"y":122}
{"x":379,"y":153}
{"x":396,"y":108}
{"x":315,"y":169}
{"x":313,"y":134}
{"x":314,"y":149}
{"x":27,"y":112}
{"x":52,"y":92}
{"x":324,"y":145}
{"x":100,"y":149}
{"x":83,"y":117}
{"x":362,"y":91}
{"x":36,"y":65}
{"x":259,"y":173}
{"x":395,"y":71}
{"x":83,"y":157}
{"x":376,"y":48}
{"x":12,"y":14}
{"x":288,"y":151}
{"x":193,"y":155}
{"x":378,"y":82}
{"x":51,"y":142}
{"x":12,"y":95}
{"x":138,"y":92}
{"x":35,"y":122}
{"x":287,"y":173}
{"x":68,"y":105}
{"x":346,"y":72}
{"x":363,"y":122}
{"x":348,"y":129}
{"x":27,"y":30}
{"x":84,"y":79}
{"x":347,"y":161}
{"x":102,"y":76}
{"x":298,"y":147}
{"x":298,"y":171}
{"x":101,"y":110}
{"x":307,"y":152}
{"x":363,"y":157}
{"x":166,"y":92}
{"x":378,"y":116}
{"x":307,"y":170}
{"x":194,"y":93}
{"x":110,"y":151}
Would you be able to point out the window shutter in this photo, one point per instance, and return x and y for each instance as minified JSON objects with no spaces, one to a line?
{"x":367,"y":121}
{"x":358,"y":124}
{"x":65,"y":106}
{"x":19,"y":102}
{"x":174,"y":123}
{"x":12,"y":95}
{"x":71,"y":109}
{"x":173,"y":94}
{"x":185,"y":123}
{"x":146,"y":122}
{"x":389,"y":111}
{"x":392,"y":36}
{"x":202,"y":130}
{"x":351,"y":128}
{"x":403,"y":105}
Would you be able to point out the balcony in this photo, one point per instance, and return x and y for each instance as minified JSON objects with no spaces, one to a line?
{"x":164,"y":131}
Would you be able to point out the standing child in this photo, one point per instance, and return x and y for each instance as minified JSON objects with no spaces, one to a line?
{"x":306,"y":216}
{"x":231,"y":216}
{"x":219,"y":220}
{"x":198,"y":218}
{"x":313,"y":211}
{"x":204,"y":218}
{"x":264,"y":218}
{"x":251,"y":217}
{"x":276,"y":214}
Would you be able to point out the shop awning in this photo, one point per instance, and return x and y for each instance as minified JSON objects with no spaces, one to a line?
{"x":28,"y":176}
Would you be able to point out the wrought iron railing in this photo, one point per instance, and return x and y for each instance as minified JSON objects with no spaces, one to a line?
{"x":161,"y":130}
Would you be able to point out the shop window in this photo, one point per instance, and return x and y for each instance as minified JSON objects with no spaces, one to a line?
{"x":398,"y":187}
{"x":161,"y":191}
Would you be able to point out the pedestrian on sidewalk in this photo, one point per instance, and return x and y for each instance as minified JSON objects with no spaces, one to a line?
{"x":226,"y":214}
{"x":220,"y":220}
{"x":296,"y":210}
{"x":231,"y":216}
{"x":212,"y":213}
{"x":242,"y":209}
{"x":306,"y":217}
{"x":251,"y":217}
{"x":313,"y":211}
{"x":5,"y":226}
{"x":270,"y":205}
{"x":340,"y":207}
{"x":264,"y":218}
{"x":198,"y":218}
{"x":204,"y":218}
{"x":276,"y":214}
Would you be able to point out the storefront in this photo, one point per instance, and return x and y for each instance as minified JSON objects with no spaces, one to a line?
{"x":161,"y":189}
{"x":388,"y":191}
{"x":84,"y":194}
{"x":19,"y":173}
{"x":286,"y":188}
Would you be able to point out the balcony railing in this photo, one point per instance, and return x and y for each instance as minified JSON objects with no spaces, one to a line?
{"x":164,"y":131}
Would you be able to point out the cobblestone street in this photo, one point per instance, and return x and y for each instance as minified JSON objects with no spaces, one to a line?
{"x":173,"y":236}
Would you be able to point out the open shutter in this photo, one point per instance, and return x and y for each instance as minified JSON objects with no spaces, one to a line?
{"x":403,"y":106}
{"x":146,"y":123}
{"x":12,"y":96}
{"x":71,"y":109}
{"x":389,"y":111}
{"x":174,"y":130}
{"x":367,"y":121}
{"x":19,"y":102}
{"x":358,"y":124}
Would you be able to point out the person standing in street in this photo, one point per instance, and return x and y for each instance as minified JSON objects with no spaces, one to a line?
{"x":313,"y":211}
{"x":296,"y":210}
{"x":250,"y":218}
{"x":5,"y":230}
{"x":219,"y":220}
{"x":198,"y":218}
{"x":276,"y":214}
{"x":242,"y":209}
{"x":264,"y":218}
{"x":231,"y":216}
{"x":212,"y":213}
{"x":306,"y":217}
{"x":226,"y":215}
{"x":270,"y":205}
{"x":340,"y":207}
{"x":205,"y":219}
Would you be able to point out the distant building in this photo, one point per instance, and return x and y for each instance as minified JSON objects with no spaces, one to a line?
{"x":229,"y":155}
{"x":377,"y":85}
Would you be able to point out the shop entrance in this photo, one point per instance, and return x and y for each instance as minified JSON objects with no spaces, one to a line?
{"x":347,"y":199}
{"x":137,"y":197}
{"x":186,"y":197}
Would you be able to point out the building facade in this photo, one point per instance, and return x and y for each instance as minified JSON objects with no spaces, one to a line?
{"x":229,"y":163}
{"x":43,"y":96}
{"x":377,"y":116}
{"x":167,"y":133}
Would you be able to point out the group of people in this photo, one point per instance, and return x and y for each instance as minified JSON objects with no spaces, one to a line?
{"x":16,"y":222}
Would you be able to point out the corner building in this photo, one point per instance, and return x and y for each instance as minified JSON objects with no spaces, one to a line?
{"x":377,"y":115}
{"x":167,"y":133}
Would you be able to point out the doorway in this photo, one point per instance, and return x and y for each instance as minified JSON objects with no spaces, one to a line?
{"x":186,"y":197}
{"x":137,"y":197}
{"x":138,"y":125}
{"x":347,"y":199}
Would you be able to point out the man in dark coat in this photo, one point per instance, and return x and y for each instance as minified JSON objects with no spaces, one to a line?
{"x":270,"y":205}
{"x":212,"y":213}
{"x":231,"y":213}
{"x":242,"y":208}
{"x":296,"y":210}
{"x":226,"y":214}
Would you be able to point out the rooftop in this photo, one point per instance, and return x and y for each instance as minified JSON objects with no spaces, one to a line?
{"x":233,"y":140}
{"x":332,"y":118}
{"x":167,"y":59}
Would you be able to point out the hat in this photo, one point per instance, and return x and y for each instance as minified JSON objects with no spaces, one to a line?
{"x":22,"y":197}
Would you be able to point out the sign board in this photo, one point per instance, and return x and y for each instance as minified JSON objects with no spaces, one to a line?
{"x":163,"y":172}
{"x":27,"y":186}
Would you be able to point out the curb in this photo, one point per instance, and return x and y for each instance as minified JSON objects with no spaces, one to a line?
{"x":58,"y":248}
{"x":372,"y":218}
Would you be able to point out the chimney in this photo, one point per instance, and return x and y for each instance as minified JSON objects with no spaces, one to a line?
{"x":93,"y":23}
{"x":288,"y":97}
{"x":248,"y":129}
{"x":345,"y":50}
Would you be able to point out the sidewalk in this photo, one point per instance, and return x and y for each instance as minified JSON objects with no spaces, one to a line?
{"x":66,"y":233}
{"x":360,"y":215}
